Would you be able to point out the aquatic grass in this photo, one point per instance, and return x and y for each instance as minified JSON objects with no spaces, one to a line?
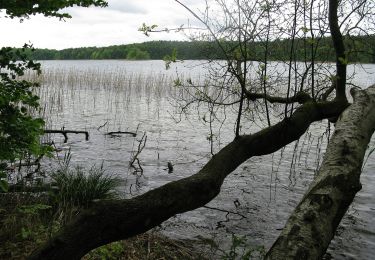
{"x":78,"y":188}
{"x":61,"y":88}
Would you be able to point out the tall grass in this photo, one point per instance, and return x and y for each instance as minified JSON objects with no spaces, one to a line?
{"x":77,"y":188}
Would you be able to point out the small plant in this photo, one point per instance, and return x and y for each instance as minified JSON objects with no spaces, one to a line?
{"x":113,"y":250}
{"x":241,"y":250}
{"x":151,"y":245}
{"x":25,"y":224}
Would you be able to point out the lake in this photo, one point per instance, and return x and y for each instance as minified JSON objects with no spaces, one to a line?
{"x":140,"y":96}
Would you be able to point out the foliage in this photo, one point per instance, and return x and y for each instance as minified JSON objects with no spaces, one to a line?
{"x":147,"y":29}
{"x":16,"y":8}
{"x":111,"y":251}
{"x":25,"y":221}
{"x":168,"y":59}
{"x":150,"y":245}
{"x":19,"y":131}
{"x":137,"y":54}
{"x":241,"y":250}
{"x":193,"y":50}
{"x":29,"y":219}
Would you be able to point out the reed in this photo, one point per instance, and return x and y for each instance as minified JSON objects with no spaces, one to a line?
{"x":115,"y":89}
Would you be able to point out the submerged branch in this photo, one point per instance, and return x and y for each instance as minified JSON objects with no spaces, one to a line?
{"x":121,"y":132}
{"x":66,"y":132}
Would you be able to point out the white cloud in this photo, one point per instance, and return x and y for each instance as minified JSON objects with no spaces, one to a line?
{"x":117,"y":24}
{"x":126,"y":6}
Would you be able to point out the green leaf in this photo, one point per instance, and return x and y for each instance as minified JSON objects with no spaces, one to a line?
{"x":4,"y":186}
{"x":343,"y":60}
{"x":305,"y":29}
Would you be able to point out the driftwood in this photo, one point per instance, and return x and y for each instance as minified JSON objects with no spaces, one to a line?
{"x":66,"y":132}
{"x":121,"y":132}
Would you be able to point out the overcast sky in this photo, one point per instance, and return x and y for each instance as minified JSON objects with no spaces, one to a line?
{"x":116,"y":24}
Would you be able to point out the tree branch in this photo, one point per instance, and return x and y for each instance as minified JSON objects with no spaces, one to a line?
{"x":301,"y":97}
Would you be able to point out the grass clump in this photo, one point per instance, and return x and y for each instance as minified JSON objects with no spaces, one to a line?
{"x":77,"y":188}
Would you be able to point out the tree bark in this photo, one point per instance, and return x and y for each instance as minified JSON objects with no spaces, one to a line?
{"x":110,"y":221}
{"x":313,"y":223}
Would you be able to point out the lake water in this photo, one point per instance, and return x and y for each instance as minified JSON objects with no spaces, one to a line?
{"x":137,"y":96}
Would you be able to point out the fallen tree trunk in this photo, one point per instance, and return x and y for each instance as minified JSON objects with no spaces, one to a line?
{"x":110,"y":221}
{"x":312,"y":225}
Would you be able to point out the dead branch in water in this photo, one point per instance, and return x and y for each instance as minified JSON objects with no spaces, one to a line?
{"x":66,"y":132}
{"x":121,"y":132}
{"x":141,"y":145}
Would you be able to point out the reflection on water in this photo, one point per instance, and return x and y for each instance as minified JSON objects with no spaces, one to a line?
{"x":104,"y":96}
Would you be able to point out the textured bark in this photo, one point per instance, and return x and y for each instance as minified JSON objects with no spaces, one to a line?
{"x":313,"y":223}
{"x":115,"y":220}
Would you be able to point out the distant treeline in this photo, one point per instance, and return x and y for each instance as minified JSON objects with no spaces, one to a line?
{"x":359,"y":49}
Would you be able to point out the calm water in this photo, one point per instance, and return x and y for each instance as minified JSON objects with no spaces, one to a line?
{"x":104,"y":96}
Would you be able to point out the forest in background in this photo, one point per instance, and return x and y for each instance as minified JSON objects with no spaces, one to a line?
{"x":194,"y":50}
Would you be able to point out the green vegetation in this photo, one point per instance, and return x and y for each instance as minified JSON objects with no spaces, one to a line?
{"x":23,"y":9}
{"x":77,"y":188}
{"x":29,"y":219}
{"x":157,"y":50}
{"x":151,"y":245}
{"x":19,"y":131}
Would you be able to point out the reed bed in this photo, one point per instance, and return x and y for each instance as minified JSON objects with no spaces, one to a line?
{"x":61,"y":87}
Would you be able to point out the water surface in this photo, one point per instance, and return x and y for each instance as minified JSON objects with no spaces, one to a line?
{"x":138,"y":96}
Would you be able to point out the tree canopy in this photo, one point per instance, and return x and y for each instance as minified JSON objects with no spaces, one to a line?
{"x":360,"y":49}
{"x":25,"y":8}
